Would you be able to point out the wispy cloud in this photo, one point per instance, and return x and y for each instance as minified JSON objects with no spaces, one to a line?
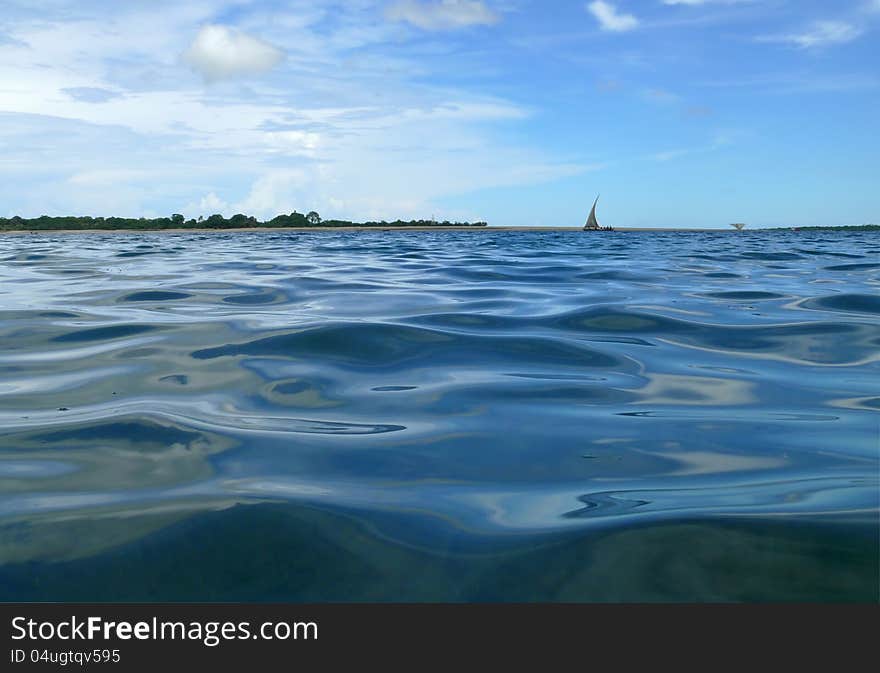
{"x":608,"y":85}
{"x":719,"y":141}
{"x":385,"y":108}
{"x":442,"y":14}
{"x":610,"y":19}
{"x":661,"y":96}
{"x":91,"y":94}
{"x":342,"y":124}
{"x":699,"y":111}
{"x":819,"y":34}
{"x":796,"y":83}
{"x":220,"y":52}
{"x":695,"y":3}
{"x":106,"y":177}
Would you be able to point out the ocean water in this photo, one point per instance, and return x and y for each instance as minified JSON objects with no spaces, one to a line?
{"x":440,"y":416}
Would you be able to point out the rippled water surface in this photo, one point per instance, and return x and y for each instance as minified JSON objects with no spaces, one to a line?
{"x":439,"y":416}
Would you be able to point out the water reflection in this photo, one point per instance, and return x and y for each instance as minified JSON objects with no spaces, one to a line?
{"x":471,"y":406}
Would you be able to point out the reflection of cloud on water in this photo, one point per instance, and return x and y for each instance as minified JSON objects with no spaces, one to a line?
{"x":325,"y":556}
{"x":813,"y":344}
{"x":695,"y":391}
{"x":474,"y":511}
{"x":708,"y":462}
{"x":863,"y":403}
{"x":126,"y":453}
{"x":79,"y":533}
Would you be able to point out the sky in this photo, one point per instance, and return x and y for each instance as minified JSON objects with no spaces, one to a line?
{"x":686,"y":113}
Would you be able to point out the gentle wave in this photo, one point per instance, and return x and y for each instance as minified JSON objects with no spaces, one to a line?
{"x":483,"y":383}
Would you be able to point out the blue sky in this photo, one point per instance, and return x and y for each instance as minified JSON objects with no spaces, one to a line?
{"x":680,"y":112}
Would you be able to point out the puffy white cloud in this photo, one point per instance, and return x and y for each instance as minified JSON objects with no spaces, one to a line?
{"x":220,"y":52}
{"x":610,"y":18}
{"x":442,"y":14}
{"x":278,"y":191}
{"x":206,"y":206}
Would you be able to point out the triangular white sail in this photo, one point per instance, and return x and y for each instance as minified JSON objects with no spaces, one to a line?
{"x":592,"y":222}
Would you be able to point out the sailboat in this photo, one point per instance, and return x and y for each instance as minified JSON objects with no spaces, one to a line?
{"x":592,"y":223}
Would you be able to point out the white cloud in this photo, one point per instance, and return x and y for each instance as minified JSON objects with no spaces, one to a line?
{"x":669,"y":155}
{"x":352,"y":135}
{"x":220,"y":52}
{"x":293,"y":142}
{"x":206,"y":206}
{"x":106,"y":177}
{"x":610,"y":19}
{"x":820,"y":34}
{"x":718,"y":142}
{"x":277,"y":192}
{"x":91,"y":94}
{"x":442,"y":14}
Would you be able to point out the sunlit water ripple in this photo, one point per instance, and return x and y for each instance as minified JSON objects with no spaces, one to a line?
{"x":461,"y":403}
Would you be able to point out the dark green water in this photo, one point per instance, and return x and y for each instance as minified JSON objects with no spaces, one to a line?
{"x":441,"y":416}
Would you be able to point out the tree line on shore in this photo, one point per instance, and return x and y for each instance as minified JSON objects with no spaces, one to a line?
{"x":217,"y":221}
{"x":850,"y":227}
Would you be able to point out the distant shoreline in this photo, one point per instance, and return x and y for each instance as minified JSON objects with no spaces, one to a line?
{"x":379,"y":228}
{"x":310,"y":229}
{"x":209,"y":230}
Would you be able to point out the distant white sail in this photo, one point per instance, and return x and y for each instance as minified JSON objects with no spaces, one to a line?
{"x":592,"y":222}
